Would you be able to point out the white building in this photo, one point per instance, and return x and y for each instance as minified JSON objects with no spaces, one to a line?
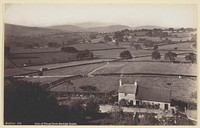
{"x":139,"y":95}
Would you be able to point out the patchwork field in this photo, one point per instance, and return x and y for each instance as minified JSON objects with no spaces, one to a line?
{"x":179,"y":46}
{"x":182,"y":89}
{"x":183,"y":34}
{"x":41,"y":58}
{"x":77,"y":70}
{"x":154,"y":39}
{"x":148,"y":67}
{"x":115,"y":53}
{"x":16,"y":71}
{"x":68,"y":64}
{"x":93,"y":46}
{"x":24,"y":50}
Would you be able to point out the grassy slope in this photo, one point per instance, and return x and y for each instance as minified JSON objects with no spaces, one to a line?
{"x":182,"y":89}
{"x":148,"y":67}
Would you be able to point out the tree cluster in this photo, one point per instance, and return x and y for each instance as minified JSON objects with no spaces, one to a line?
{"x":192,"y":57}
{"x":28,"y":103}
{"x":107,"y":38}
{"x":170,"y":56}
{"x":88,"y":88}
{"x":69,"y":49}
{"x":125,"y":55}
{"x":156,"y":55}
{"x":53,"y":45}
{"x":85,"y":54}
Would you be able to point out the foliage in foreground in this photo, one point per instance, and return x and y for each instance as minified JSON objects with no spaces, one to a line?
{"x":28,"y":103}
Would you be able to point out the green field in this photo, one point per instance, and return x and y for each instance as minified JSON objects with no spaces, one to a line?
{"x":183,"y":34}
{"x":77,"y":70}
{"x":148,"y":67}
{"x":180,"y":46}
{"x":93,"y":46}
{"x":42,"y":58}
{"x":15,"y":72}
{"x":182,"y":89}
{"x":74,"y":63}
{"x":33,"y":50}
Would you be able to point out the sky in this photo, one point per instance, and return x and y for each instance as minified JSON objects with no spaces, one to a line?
{"x":131,"y":14}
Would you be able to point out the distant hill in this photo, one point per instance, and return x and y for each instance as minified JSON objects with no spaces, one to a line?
{"x":69,"y":28}
{"x":112,"y":28}
{"x":18,"y":30}
{"x":148,"y":27}
{"x":92,"y":24}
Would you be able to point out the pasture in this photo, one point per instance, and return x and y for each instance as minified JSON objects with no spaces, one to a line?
{"x":41,"y":58}
{"x":148,"y":67}
{"x":16,"y":72}
{"x":68,"y":64}
{"x":179,"y":46}
{"x":93,"y":46}
{"x":182,"y":89}
{"x":33,"y":50}
{"x":183,"y":34}
{"x":76,"y":70}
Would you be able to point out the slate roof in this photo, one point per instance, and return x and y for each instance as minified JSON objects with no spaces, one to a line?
{"x":153,"y":94}
{"x":127,"y":88}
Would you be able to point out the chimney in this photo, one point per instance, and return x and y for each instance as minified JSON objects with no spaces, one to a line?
{"x":135,"y":83}
{"x":120,"y":82}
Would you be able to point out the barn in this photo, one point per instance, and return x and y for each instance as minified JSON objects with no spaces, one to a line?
{"x":140,"y":95}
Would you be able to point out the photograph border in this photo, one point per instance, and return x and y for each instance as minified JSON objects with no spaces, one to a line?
{"x":2,"y":9}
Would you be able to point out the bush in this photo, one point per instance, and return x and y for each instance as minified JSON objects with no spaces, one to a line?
{"x":92,"y":108}
{"x":156,"y":55}
{"x":27,"y":102}
{"x":88,"y":88}
{"x":170,"y":56}
{"x":191,"y":57}
{"x":125,"y":55}
{"x":69,"y":49}
{"x":85,"y":54}
{"x":123,"y":103}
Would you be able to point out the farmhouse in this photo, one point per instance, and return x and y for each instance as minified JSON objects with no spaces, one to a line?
{"x":139,"y":95}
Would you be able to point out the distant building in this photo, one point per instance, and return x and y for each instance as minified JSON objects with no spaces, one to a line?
{"x":138,"y":95}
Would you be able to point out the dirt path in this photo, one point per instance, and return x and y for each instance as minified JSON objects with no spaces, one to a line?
{"x":90,"y":73}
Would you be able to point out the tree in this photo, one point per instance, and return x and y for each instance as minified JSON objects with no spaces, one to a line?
{"x":155,"y":47}
{"x":93,"y":36}
{"x":170,"y":56}
{"x":107,"y":38}
{"x":137,"y":46}
{"x":156,"y":55}
{"x":28,"y":103}
{"x":117,"y":43}
{"x":119,"y":36}
{"x":92,"y":108}
{"x":194,"y":38}
{"x":52,"y":44}
{"x":192,"y":57}
{"x":69,"y":49}
{"x":85,"y":54}
{"x":123,"y":103}
{"x":125,"y":55}
{"x":88,"y":88}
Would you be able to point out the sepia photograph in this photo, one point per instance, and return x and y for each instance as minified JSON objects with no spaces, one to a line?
{"x":100,"y":64}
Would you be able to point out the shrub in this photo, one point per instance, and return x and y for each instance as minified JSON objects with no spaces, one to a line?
{"x":69,"y":49}
{"x":125,"y":55}
{"x":123,"y":103}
